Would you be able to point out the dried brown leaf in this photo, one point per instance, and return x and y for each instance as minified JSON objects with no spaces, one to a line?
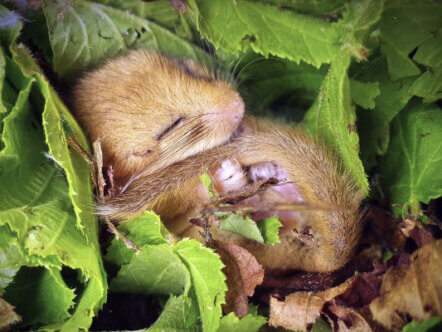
{"x":243,"y":274}
{"x":299,"y":310}
{"x":98,"y":158}
{"x":7,"y":314}
{"x":364,"y":289}
{"x":384,"y":228}
{"x":407,"y":225}
{"x":411,"y":291}
{"x":417,"y":231}
{"x":348,"y":319}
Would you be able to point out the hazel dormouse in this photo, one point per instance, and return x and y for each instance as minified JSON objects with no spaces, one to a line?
{"x":308,"y":173}
{"x":162,"y":122}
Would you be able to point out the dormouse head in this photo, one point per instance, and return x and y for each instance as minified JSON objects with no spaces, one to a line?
{"x":150,"y":111}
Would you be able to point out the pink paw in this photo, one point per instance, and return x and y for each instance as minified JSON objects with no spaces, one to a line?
{"x":267,"y":170}
{"x":229,"y":176}
{"x":270,"y":169}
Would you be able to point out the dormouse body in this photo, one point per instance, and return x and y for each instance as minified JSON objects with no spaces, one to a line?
{"x":273,"y":151}
{"x":149,"y":111}
{"x":162,"y":122}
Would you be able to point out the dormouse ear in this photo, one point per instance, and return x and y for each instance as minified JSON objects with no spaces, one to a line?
{"x":247,"y":126}
{"x":194,"y":69}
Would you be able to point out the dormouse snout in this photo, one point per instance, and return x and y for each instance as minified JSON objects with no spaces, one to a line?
{"x":236,"y":109}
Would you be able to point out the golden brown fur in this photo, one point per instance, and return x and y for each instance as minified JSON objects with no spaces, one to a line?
{"x":149,"y":111}
{"x":173,"y":193}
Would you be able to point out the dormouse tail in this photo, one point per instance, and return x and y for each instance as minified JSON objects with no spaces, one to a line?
{"x":147,"y":187}
{"x":317,"y":174}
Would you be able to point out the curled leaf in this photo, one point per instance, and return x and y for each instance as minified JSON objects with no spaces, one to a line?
{"x":243,"y":274}
{"x":299,"y":310}
{"x":414,"y":290}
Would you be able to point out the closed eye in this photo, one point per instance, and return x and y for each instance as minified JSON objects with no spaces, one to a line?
{"x":169,"y":129}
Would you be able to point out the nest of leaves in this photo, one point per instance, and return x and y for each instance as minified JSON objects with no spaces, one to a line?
{"x":363,"y":76}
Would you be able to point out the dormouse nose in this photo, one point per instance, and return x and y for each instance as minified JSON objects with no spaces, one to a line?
{"x":235,"y":108}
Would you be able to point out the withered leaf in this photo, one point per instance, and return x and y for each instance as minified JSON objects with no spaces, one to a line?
{"x":414,"y":229}
{"x":299,"y":310}
{"x":384,"y":228}
{"x":348,"y":319}
{"x":414,"y":291}
{"x":243,"y":274}
{"x":98,"y":158}
{"x":364,"y":289}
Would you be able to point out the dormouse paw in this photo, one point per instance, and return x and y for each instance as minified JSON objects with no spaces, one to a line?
{"x":267,"y":170}
{"x":271,"y":169}
{"x":228,"y":177}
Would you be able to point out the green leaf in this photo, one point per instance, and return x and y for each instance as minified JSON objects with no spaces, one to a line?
{"x":83,"y":33}
{"x":321,"y":326}
{"x":317,"y":7}
{"x":359,"y":19}
{"x":186,"y":268}
{"x":50,"y":230}
{"x":273,"y":79}
{"x":10,"y":27}
{"x":242,"y":225}
{"x":373,"y":126}
{"x":155,"y":270}
{"x":28,"y":178}
{"x":10,"y":257}
{"x":410,"y":170}
{"x":40,"y":296}
{"x":333,"y":119}
{"x":269,"y":228}
{"x":160,"y":12}
{"x":248,"y":323}
{"x":147,"y":229}
{"x":177,"y":315}
{"x":428,"y":85}
{"x":236,"y":26}
{"x":386,"y":255}
{"x":405,"y":25}
{"x":263,"y":231}
{"x":428,"y":325}
{"x":36,"y":201}
{"x":364,"y":94}
{"x":208,"y":281}
{"x":207,"y":182}
{"x":35,"y":32}
{"x":56,"y":118}
{"x":430,"y":52}
{"x":2,"y":78}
